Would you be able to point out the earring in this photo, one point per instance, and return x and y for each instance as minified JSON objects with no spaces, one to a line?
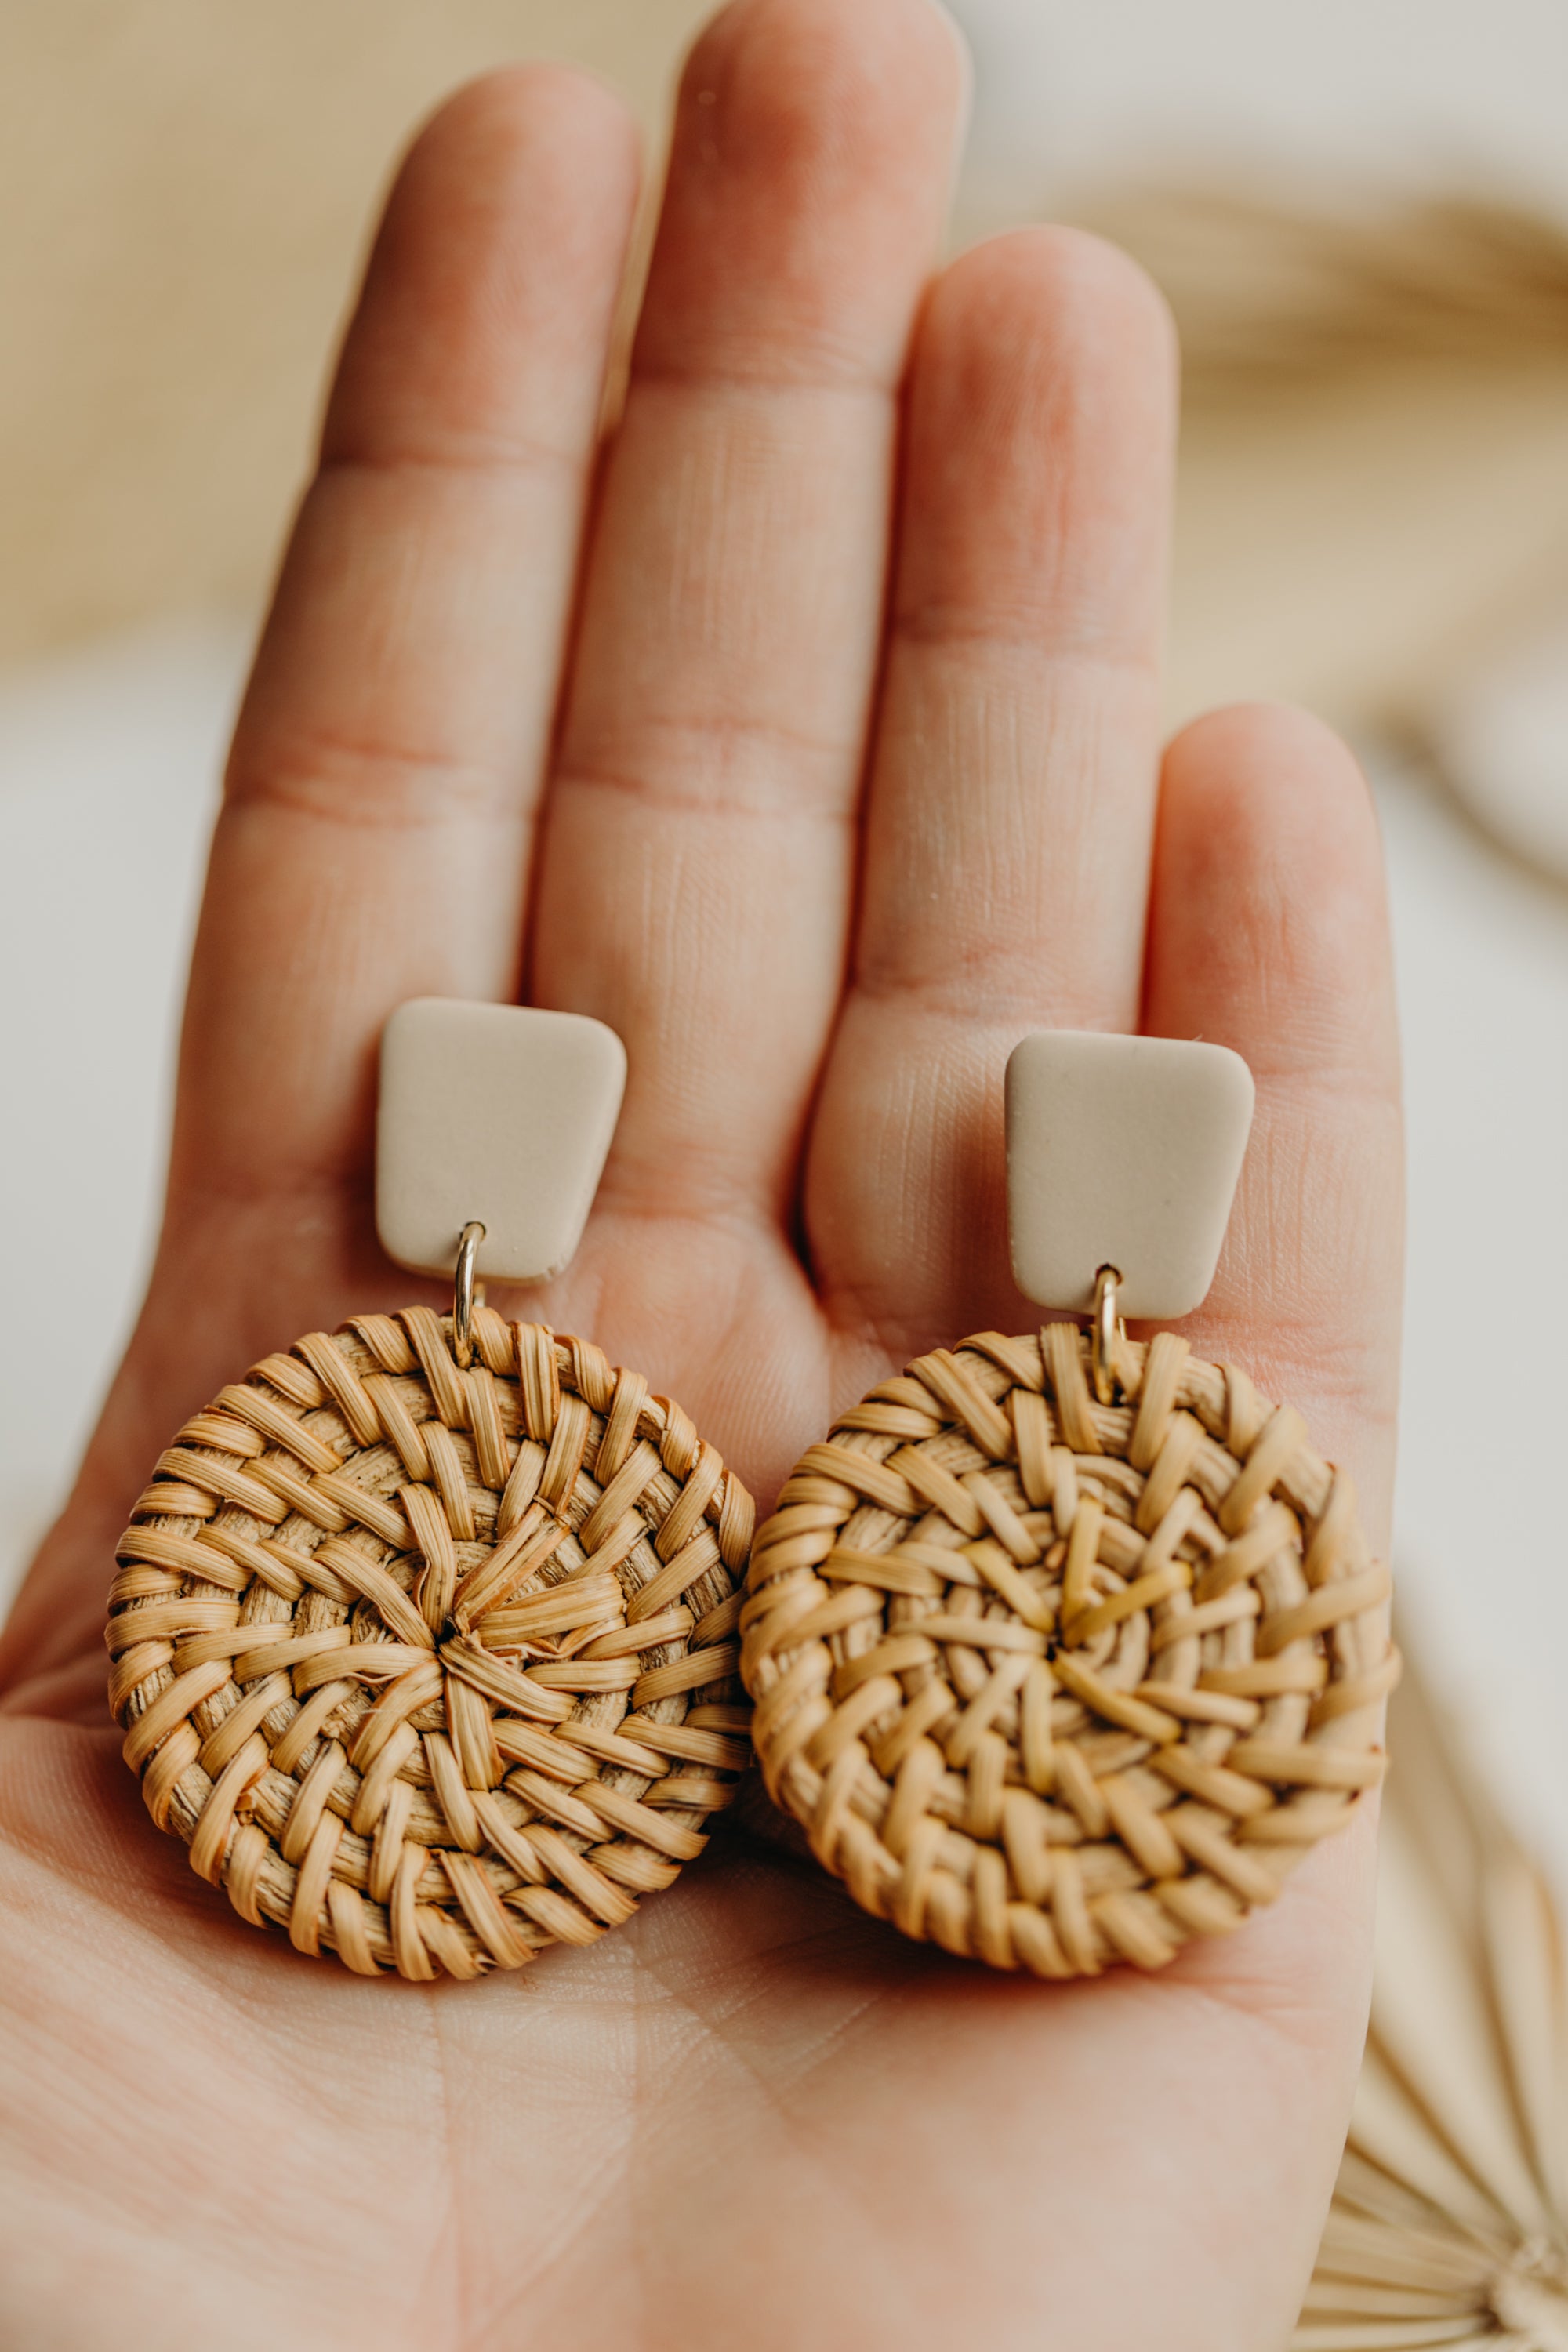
{"x":423,"y":1631}
{"x":1064,"y":1649}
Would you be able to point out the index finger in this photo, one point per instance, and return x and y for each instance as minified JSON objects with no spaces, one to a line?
{"x":375,"y":836}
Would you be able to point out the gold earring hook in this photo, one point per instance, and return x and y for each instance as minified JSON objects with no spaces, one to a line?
{"x":1106,"y":1330}
{"x":463,"y":1293}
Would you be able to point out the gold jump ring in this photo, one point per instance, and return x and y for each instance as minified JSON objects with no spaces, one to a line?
{"x":1104,"y":1333}
{"x":463,"y":1298}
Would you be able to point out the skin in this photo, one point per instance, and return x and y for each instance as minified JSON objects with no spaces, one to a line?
{"x":807,"y":733}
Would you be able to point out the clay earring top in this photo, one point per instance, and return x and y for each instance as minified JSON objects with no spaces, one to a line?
{"x":423,"y":1633}
{"x":1064,"y":1648}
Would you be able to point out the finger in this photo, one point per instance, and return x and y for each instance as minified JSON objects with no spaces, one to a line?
{"x":1268,"y":933}
{"x":373,"y":844}
{"x":698,"y":861}
{"x":1012,"y":803}
{"x":374,"y":840}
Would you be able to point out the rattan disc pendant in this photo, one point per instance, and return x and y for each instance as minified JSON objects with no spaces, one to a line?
{"x":1065,"y":1648}
{"x":423,"y":1631}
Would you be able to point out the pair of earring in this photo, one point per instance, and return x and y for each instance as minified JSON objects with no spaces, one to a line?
{"x":439,"y":1640}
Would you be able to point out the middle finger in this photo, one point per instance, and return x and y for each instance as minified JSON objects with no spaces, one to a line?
{"x":698,"y":856}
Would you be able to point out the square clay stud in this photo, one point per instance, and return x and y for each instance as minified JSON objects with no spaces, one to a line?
{"x":1123,"y":1151}
{"x":497,"y":1112}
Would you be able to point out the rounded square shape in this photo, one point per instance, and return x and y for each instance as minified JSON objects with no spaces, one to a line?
{"x":497,"y":1112}
{"x":1123,"y":1151}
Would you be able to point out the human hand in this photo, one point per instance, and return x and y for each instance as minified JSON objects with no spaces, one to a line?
{"x":853,"y":779}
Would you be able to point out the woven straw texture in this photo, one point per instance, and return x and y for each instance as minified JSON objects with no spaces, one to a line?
{"x":1056,"y":1684}
{"x":434,"y":1667}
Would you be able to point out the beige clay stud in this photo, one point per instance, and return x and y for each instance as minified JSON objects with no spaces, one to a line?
{"x":495,"y":1114}
{"x":1123,"y":1151}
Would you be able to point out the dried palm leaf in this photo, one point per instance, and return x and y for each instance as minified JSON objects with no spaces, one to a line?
{"x":1271,"y":292}
{"x":1372,"y":501}
{"x":1450,"y":2221}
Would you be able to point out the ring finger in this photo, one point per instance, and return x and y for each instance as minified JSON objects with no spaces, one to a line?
{"x":1011,"y":816}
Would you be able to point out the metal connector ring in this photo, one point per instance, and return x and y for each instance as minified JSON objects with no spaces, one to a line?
{"x":1106,"y":1331}
{"x":463,"y":1293}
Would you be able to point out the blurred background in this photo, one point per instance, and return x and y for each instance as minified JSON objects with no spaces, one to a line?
{"x":1360,"y":211}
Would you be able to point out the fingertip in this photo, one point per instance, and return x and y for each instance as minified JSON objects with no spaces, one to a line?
{"x":868,"y":58}
{"x":503,"y":241}
{"x":1041,"y":441}
{"x":1228,"y":756}
{"x":810,"y":169}
{"x":1268,"y":913}
{"x":1049,"y":329}
{"x":537,"y":107}
{"x":1087,"y":288}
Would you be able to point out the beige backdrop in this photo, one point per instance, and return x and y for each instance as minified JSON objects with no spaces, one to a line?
{"x":185,"y":184}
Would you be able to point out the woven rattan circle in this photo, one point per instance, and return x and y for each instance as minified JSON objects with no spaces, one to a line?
{"x":434,"y":1667}
{"x":1057,"y":1683}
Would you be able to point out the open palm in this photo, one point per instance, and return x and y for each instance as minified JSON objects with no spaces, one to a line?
{"x":809,"y":738}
